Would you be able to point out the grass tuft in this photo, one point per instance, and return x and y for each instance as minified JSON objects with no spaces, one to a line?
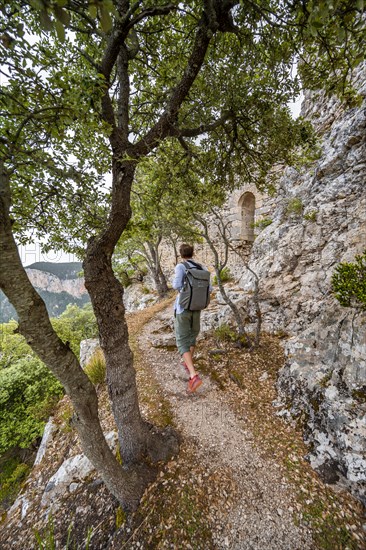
{"x":96,"y":368}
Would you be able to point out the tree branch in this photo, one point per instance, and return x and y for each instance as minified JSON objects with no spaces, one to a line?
{"x":151,"y":12}
{"x":202,"y":129}
{"x":124,"y":93}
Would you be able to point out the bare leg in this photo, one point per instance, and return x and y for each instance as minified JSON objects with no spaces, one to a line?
{"x":187,"y":356}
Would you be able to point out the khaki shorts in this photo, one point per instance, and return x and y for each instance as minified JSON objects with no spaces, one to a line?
{"x":187,"y":327}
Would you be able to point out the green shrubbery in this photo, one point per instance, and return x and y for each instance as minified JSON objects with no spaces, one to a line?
{"x":28,"y":389}
{"x":28,"y":392}
{"x":225,"y":276}
{"x":311,"y":216}
{"x":295,"y":207}
{"x":76,"y":324}
{"x":349,"y":283}
{"x":225,"y":333}
{"x":12,"y":474}
{"x":262,"y":223}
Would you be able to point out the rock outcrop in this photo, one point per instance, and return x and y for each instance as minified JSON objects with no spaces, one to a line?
{"x":58,"y":285}
{"x":317,"y":220}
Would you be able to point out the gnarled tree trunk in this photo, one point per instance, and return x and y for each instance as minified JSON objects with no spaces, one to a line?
{"x":126,"y":485}
{"x":137,"y":438}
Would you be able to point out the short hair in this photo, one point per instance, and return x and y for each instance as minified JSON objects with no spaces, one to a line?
{"x":186,"y":250}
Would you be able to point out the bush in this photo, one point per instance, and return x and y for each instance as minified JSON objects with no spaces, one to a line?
{"x":295,"y":207}
{"x":76,"y":324}
{"x":349,"y":283}
{"x":225,"y":333}
{"x":262,"y":223}
{"x":310,"y":216}
{"x":96,"y":368}
{"x":125,"y":279}
{"x":12,"y":345}
{"x":12,"y":475}
{"x":225,"y":276}
{"x":28,"y":390}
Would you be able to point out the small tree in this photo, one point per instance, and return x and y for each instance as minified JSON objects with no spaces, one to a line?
{"x":216,"y":231}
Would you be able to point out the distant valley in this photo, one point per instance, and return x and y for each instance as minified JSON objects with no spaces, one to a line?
{"x":59,"y":284}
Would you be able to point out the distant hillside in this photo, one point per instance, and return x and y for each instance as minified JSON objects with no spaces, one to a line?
{"x":58,"y":285}
{"x":69,"y":270}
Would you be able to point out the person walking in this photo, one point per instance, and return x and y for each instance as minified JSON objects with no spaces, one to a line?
{"x":186,"y":322}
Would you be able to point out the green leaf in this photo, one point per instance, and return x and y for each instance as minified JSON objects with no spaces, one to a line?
{"x":37,"y":4}
{"x":93,"y":10}
{"x":341,"y":35}
{"x":105,"y":19}
{"x":46,"y":21}
{"x":60,"y":30}
{"x":360,"y":5}
{"x":313,"y":30}
{"x":62,"y":15}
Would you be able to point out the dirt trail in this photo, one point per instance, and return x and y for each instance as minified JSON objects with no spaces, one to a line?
{"x":239,"y":481}
{"x":261,"y":516}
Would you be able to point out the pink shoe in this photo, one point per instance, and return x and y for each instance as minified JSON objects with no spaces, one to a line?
{"x":194,"y":383}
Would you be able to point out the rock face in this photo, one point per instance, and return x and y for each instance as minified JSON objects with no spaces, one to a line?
{"x":71,"y":474}
{"x":52,"y":283}
{"x":318,"y":219}
{"x":135,"y":300}
{"x":87,"y":348}
{"x":57,"y":284}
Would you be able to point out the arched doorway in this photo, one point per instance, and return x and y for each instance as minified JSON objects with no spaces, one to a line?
{"x":247,"y":206}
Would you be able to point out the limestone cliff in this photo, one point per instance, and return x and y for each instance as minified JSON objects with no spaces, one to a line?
{"x":58,"y":285}
{"x":317,"y":220}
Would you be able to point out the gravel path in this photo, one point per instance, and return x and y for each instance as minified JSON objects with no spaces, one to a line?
{"x":262,"y":517}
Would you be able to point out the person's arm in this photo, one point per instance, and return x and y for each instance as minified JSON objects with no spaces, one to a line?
{"x":179,"y":275}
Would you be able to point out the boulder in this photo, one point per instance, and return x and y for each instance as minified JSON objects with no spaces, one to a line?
{"x":72,"y":472}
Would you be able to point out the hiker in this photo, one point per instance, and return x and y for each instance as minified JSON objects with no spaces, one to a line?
{"x":187,"y":309}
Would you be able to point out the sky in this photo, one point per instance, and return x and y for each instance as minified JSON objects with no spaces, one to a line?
{"x":32,"y":253}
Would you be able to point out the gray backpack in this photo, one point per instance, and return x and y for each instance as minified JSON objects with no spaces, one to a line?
{"x":195,"y":294}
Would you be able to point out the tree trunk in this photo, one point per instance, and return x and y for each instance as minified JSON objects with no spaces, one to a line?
{"x":163,"y":281}
{"x":156,"y":271}
{"x":34,"y":324}
{"x":137,"y":438}
{"x":237,"y":316}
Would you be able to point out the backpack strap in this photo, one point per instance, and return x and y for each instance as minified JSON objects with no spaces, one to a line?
{"x":196,"y":265}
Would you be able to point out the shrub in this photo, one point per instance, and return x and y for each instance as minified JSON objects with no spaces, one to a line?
{"x":225,"y":333}
{"x":295,"y":207}
{"x":262,"y":223}
{"x":76,"y":324}
{"x":349,"y":283}
{"x":225,"y":276}
{"x":27,"y":391}
{"x":12,"y":345}
{"x":125,"y":279}
{"x":310,"y":216}
{"x":96,"y":367}
{"x":12,"y":475}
